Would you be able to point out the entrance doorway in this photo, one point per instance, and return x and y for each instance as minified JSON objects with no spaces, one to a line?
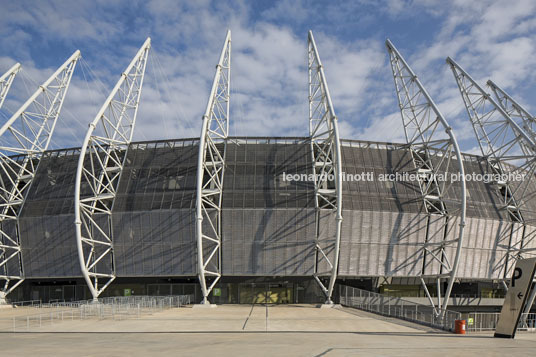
{"x":266,"y":293}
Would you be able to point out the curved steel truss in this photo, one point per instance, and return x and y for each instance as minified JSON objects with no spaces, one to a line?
{"x":326,"y":155}
{"x":210,"y":170}
{"x":515,"y":110}
{"x":6,"y":80}
{"x":507,"y":148}
{"x":434,"y":155}
{"x":528,"y":123}
{"x":23,"y":140}
{"x":100,"y":166}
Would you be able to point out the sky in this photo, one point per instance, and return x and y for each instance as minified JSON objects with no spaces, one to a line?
{"x":489,"y":39}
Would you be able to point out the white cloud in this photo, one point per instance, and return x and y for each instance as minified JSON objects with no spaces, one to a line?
{"x":269,"y":75}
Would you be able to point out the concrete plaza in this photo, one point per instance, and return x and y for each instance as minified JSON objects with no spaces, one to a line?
{"x":259,"y":330}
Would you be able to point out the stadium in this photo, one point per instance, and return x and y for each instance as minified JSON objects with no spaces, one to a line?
{"x":223,"y":218}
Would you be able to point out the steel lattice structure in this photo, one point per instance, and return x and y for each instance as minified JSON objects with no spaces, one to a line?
{"x":327,"y":170}
{"x":523,"y":118}
{"x":434,"y":154}
{"x":210,"y":171}
{"x":23,"y":140}
{"x":507,"y":149}
{"x":526,"y":121}
{"x":503,"y":143}
{"x":6,"y":80}
{"x":99,"y":169}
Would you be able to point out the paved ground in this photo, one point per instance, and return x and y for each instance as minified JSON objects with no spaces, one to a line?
{"x":242,"y":330}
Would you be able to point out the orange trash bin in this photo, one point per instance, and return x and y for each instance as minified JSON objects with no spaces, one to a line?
{"x":459,"y":327}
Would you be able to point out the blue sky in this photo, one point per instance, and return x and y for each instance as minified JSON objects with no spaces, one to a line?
{"x":490,"y":39}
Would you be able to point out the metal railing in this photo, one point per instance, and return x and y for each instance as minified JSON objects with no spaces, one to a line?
{"x":116,"y":308}
{"x":487,"y":321}
{"x":31,"y":303}
{"x":396,"y":307}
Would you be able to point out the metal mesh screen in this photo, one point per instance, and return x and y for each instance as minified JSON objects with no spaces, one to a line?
{"x":377,"y":195}
{"x":254,"y":175}
{"x":382,"y":243}
{"x":49,"y":246}
{"x":268,"y":242}
{"x":268,"y":222}
{"x":153,"y":243}
{"x":158,"y":176}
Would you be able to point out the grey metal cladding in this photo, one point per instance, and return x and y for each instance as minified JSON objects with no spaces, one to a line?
{"x":269,"y":242}
{"x":529,"y":240}
{"x":46,"y":222}
{"x":48,"y":249}
{"x":268,"y":222}
{"x":382,"y":243}
{"x":254,"y":176}
{"x":452,"y":232}
{"x":485,"y":248}
{"x":154,"y":243}
{"x":52,"y":189}
{"x":377,"y":195}
{"x":9,"y":227}
{"x":158,"y":177}
{"x":515,"y":244}
{"x":483,"y":200}
{"x":528,"y":211}
{"x":274,"y":235}
{"x":326,"y":237}
{"x":153,"y":217}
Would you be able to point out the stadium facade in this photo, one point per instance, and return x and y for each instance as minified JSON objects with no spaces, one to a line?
{"x":138,"y":225}
{"x":269,"y":223}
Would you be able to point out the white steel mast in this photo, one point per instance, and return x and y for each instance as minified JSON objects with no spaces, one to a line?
{"x":503,"y":143}
{"x":101,"y":162}
{"x":210,"y":170}
{"x":6,"y":80}
{"x":507,"y":148}
{"x":516,"y":111}
{"x":528,"y":122}
{"x":23,"y":140}
{"x":434,"y":154}
{"x":327,"y":170}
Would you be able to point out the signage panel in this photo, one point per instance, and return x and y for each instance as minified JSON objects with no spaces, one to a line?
{"x":516,"y":298}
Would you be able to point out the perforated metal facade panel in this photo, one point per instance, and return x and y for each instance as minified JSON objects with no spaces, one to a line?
{"x":268,"y":242}
{"x":529,"y":240}
{"x":154,"y":212}
{"x":47,"y":219}
{"x":268,"y":223}
{"x":485,"y":248}
{"x":155,"y":243}
{"x":382,"y":243}
{"x":49,"y":247}
{"x":376,"y":195}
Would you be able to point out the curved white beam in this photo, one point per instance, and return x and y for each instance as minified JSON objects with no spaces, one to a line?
{"x":210,"y":170}
{"x":326,"y":157}
{"x":23,"y":140}
{"x":6,"y":80}
{"x":99,"y":169}
{"x":425,"y":128}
